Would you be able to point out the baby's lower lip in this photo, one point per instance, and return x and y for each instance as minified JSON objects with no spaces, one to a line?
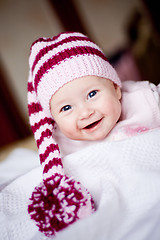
{"x":93,"y":125}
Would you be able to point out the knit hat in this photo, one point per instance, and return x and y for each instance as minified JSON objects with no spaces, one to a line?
{"x":59,"y":200}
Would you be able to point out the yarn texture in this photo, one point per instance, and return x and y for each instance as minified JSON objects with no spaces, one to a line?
{"x":58,"y":202}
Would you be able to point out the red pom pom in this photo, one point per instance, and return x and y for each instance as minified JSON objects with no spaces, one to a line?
{"x":58,"y":202}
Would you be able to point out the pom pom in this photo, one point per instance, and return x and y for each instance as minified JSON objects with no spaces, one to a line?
{"x":58,"y":202}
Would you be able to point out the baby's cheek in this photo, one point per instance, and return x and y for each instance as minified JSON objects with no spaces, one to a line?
{"x":68,"y":129}
{"x":115,"y":108}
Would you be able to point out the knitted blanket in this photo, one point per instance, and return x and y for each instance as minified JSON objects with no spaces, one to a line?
{"x":124,"y":180}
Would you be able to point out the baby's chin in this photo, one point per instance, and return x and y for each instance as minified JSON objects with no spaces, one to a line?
{"x":90,"y":138}
{"x":98,"y":134}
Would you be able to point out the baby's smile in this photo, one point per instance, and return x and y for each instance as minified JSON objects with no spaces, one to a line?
{"x":93,"y":125}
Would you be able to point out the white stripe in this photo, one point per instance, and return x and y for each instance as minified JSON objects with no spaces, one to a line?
{"x":52,"y":155}
{"x":51,"y":172}
{"x":43,"y":146}
{"x":42,"y":128}
{"x":39,"y":45}
{"x":32,"y":97}
{"x":36,"y":117}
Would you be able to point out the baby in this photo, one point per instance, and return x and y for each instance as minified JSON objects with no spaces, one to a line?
{"x":75,"y":97}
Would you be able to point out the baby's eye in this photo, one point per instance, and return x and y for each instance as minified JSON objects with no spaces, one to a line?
{"x":66,"y":108}
{"x":92,"y":94}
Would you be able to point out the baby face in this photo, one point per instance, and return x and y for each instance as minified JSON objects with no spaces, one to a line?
{"x":86,"y":108}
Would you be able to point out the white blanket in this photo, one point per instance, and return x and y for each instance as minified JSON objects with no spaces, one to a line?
{"x":124,"y":180}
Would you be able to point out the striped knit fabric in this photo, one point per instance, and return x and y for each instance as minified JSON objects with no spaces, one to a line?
{"x":59,"y":200}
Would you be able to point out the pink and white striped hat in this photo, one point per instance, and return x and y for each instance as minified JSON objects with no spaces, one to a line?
{"x":59,"y":200}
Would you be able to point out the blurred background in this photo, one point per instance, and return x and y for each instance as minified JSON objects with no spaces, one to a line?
{"x":127,"y":31}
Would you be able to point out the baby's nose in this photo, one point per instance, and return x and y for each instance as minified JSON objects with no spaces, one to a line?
{"x":86,"y":112}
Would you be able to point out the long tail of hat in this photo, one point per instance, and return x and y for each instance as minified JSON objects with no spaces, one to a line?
{"x":59,"y":200}
{"x":43,"y":127}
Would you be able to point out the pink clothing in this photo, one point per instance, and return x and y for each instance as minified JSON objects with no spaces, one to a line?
{"x":140,"y":113}
{"x":140,"y":109}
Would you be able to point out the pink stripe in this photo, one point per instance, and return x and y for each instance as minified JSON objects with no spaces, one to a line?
{"x":46,"y":49}
{"x":44,"y":134}
{"x":34,"y":108}
{"x":68,"y":53}
{"x":42,"y":122}
{"x":51,"y":163}
{"x":51,"y":148}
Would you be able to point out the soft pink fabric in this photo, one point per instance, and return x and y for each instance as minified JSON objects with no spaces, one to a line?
{"x":140,"y":110}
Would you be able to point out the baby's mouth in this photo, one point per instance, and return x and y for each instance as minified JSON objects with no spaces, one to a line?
{"x":92,"y":125}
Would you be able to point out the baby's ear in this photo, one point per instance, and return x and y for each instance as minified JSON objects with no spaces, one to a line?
{"x":118,"y":91}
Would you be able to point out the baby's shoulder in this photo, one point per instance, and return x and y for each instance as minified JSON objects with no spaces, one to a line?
{"x":131,"y":86}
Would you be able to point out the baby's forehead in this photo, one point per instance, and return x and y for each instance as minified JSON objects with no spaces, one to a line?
{"x":77,"y":84}
{"x":78,"y":87}
{"x":83,"y":82}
